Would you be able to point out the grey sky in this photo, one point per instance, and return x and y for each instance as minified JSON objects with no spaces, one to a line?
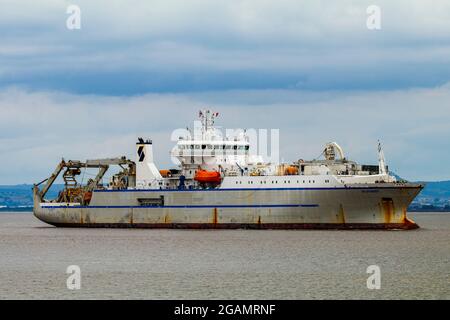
{"x":309,"y":68}
{"x":135,"y":47}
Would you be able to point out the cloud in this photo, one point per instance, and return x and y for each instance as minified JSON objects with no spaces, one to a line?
{"x":40,"y":127}
{"x":134,"y":47}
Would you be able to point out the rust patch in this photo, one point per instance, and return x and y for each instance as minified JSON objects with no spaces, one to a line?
{"x":341,"y":217}
{"x":167,"y":218}
{"x":87,"y":218}
{"x":404,"y":216}
{"x":407,"y":221}
{"x":387,"y":207}
{"x":410,"y":224}
{"x":215,"y":216}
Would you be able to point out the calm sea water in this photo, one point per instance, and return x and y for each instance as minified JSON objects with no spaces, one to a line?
{"x":223,"y":264}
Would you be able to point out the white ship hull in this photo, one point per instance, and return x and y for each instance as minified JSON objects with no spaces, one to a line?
{"x":358,"y":206}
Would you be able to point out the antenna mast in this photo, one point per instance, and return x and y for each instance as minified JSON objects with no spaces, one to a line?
{"x":381,"y":160}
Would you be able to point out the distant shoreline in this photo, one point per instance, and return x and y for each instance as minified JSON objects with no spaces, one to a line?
{"x":428,"y":210}
{"x":30,"y":209}
{"x":22,"y":209}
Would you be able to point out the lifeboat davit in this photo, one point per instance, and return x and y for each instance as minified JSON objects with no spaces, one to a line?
{"x":204,"y":176}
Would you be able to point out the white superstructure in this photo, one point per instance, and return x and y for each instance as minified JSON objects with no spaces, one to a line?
{"x":207,"y":149}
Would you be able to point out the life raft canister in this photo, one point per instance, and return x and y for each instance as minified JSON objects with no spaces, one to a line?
{"x":205,"y":176}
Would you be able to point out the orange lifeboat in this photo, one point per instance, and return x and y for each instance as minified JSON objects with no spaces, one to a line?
{"x":205,"y":176}
{"x":165,"y":173}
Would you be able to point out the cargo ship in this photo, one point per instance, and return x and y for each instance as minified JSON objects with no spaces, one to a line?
{"x":219,"y":183}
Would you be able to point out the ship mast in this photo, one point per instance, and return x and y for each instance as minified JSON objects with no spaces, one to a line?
{"x":381,"y":160}
{"x":207,"y":118}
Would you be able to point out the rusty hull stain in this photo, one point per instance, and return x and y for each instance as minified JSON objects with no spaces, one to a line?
{"x":341,"y":216}
{"x":167,"y":218}
{"x":215,"y":216}
{"x":388,"y":210}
